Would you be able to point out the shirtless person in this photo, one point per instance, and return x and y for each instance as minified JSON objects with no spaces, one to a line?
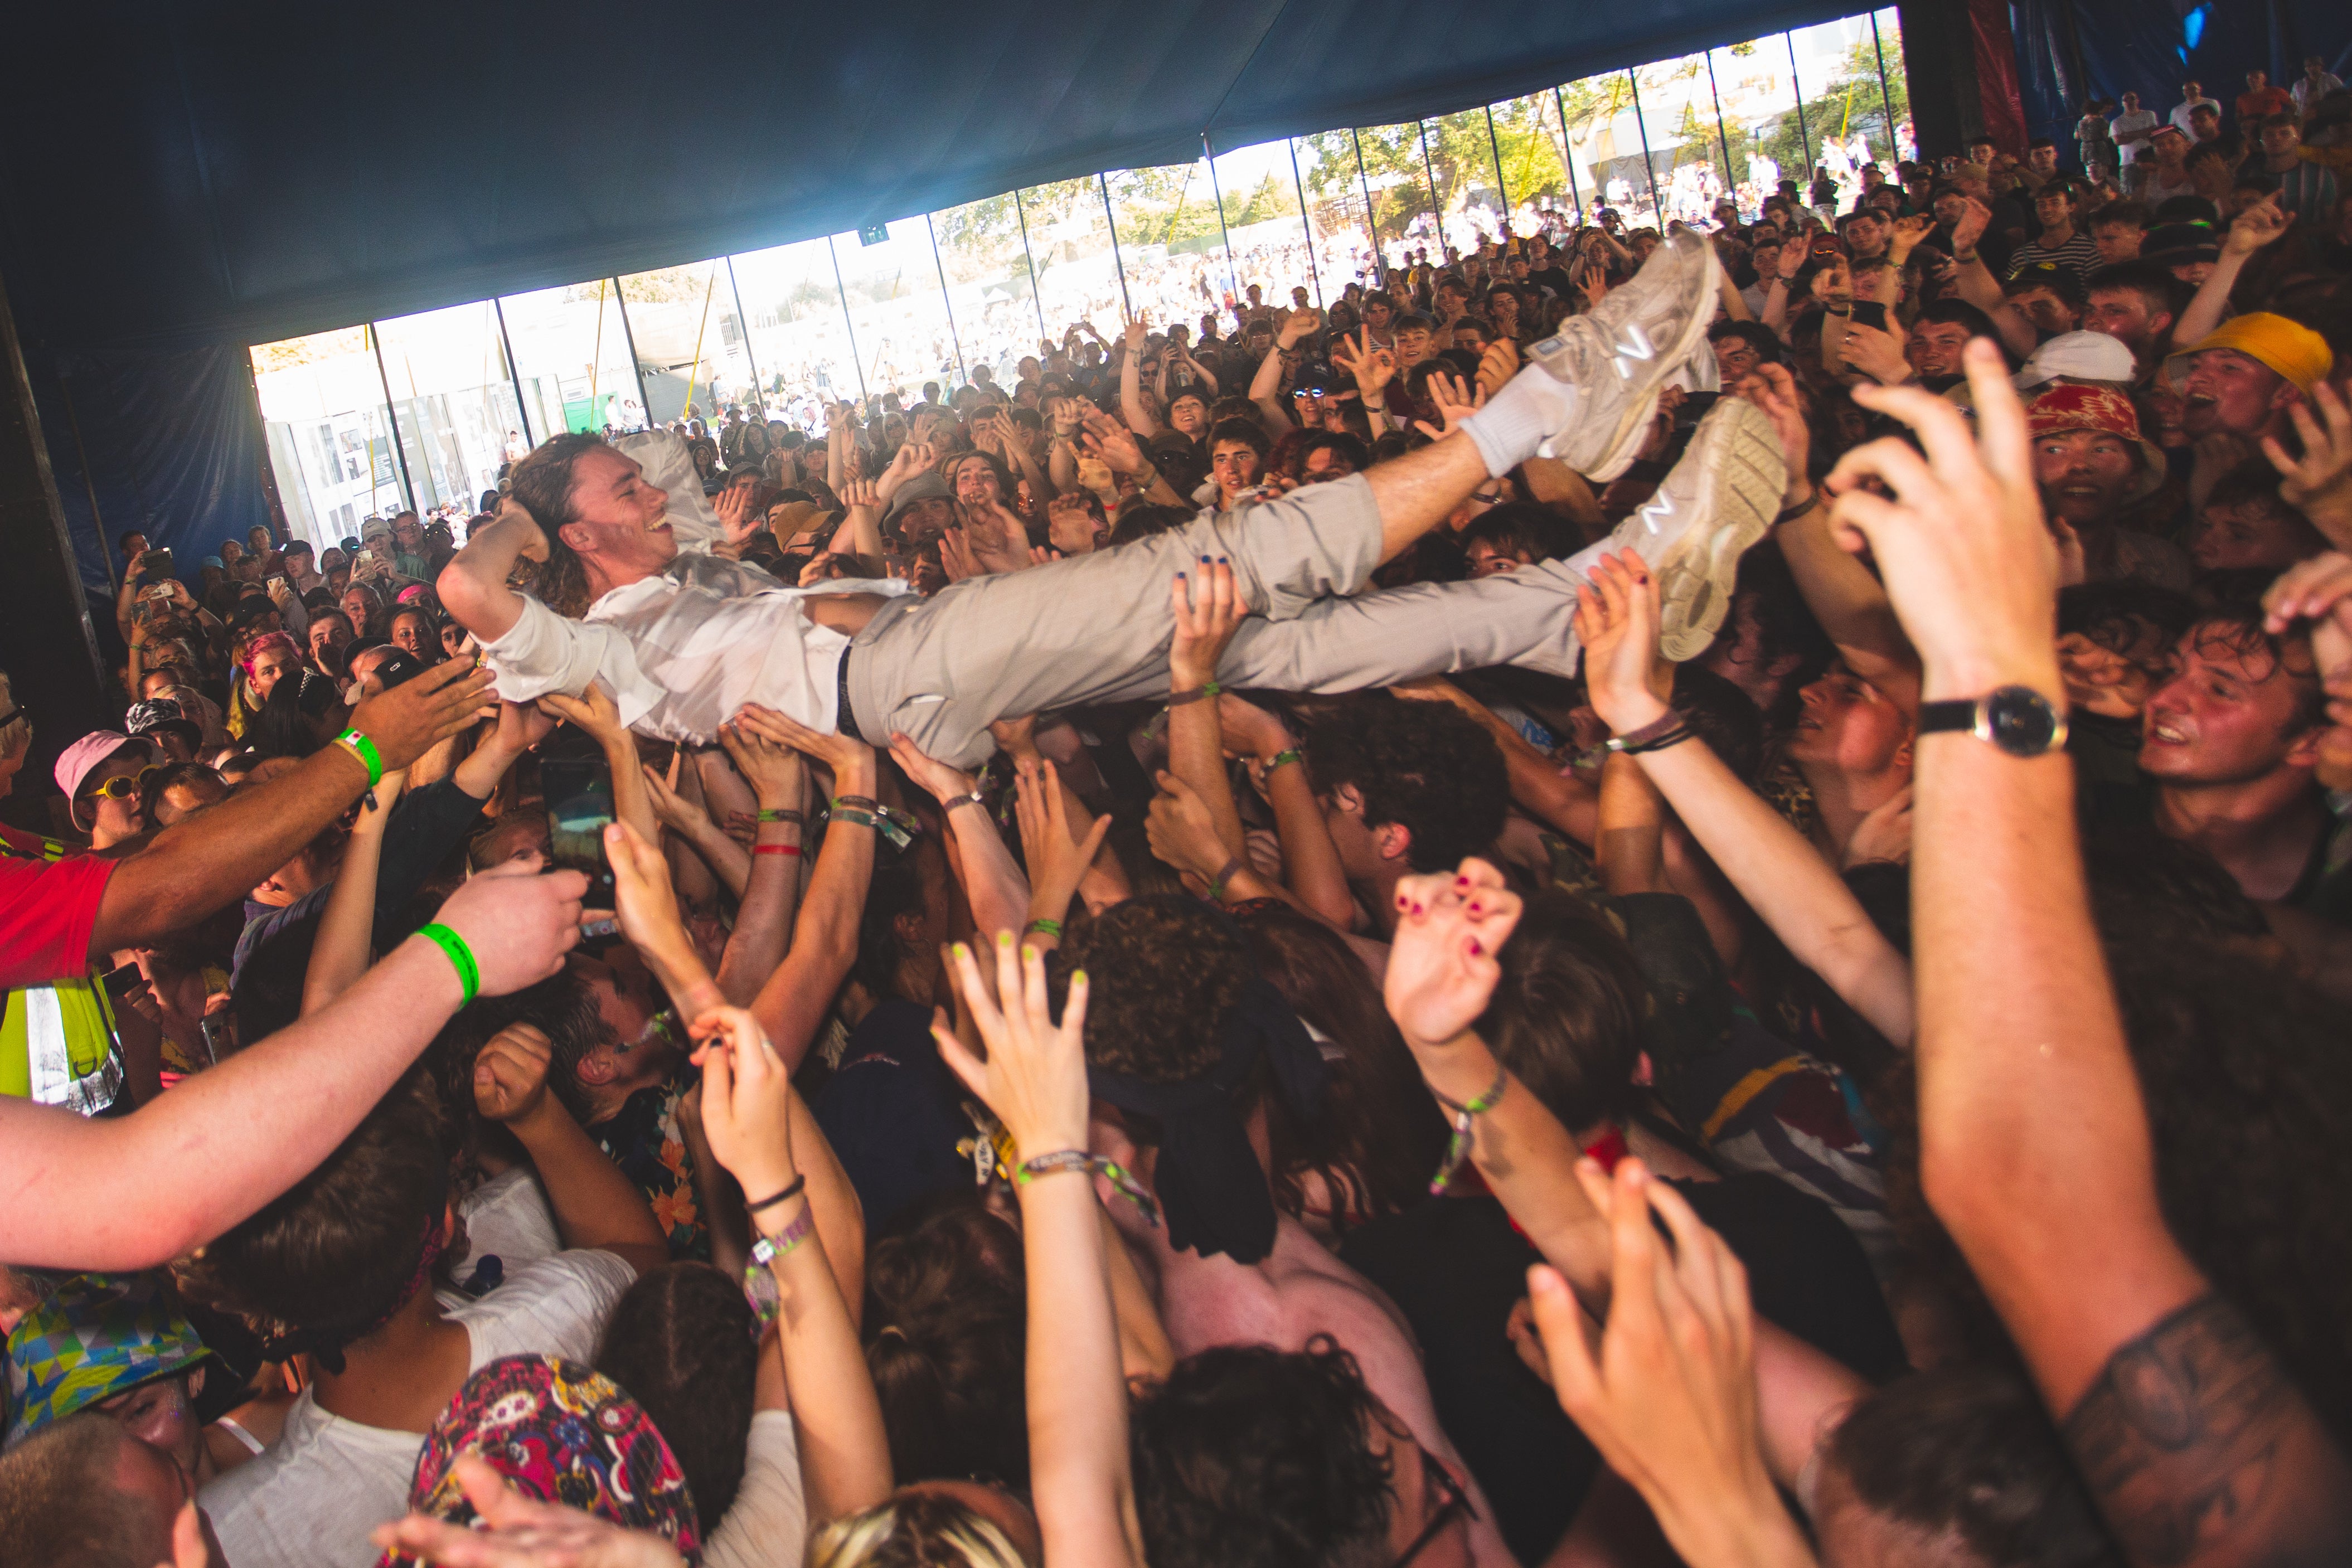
{"x":684,"y":641}
{"x":1186,"y":1047}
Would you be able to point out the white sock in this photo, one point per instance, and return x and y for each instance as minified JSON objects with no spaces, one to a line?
{"x":1519,"y":418}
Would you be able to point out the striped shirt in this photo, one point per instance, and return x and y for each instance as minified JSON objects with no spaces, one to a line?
{"x":2080,"y":253}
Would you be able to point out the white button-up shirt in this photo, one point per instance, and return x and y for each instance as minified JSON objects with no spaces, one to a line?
{"x":682,"y":651}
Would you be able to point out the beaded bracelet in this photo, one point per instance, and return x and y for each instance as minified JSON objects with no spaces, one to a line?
{"x":469,"y":973}
{"x":1280,"y":758}
{"x":362,"y":748}
{"x":1078,"y":1160}
{"x":1178,"y":699}
{"x":1457,"y":1147}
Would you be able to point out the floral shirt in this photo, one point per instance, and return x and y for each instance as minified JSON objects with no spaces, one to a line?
{"x":644,"y":1140}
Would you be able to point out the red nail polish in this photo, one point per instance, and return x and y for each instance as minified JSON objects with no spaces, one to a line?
{"x":1475,"y":950}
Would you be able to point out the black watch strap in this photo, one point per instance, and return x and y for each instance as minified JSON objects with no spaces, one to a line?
{"x":2017,"y":719}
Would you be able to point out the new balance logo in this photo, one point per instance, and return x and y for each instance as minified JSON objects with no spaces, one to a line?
{"x":1634,"y":345}
{"x":1654,"y":515}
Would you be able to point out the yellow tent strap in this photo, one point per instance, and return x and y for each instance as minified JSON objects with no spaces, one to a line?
{"x":696,"y":369}
{"x":368,"y":436}
{"x":596,"y":355}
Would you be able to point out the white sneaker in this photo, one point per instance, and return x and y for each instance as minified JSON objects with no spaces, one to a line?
{"x":1623,"y":352}
{"x":1718,"y":500}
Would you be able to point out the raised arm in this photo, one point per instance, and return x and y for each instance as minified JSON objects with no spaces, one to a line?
{"x":1131,"y":384}
{"x":1977,"y":285}
{"x":595,"y":1205}
{"x":345,"y":944}
{"x":1034,"y":1079}
{"x":2258,"y":225}
{"x":772,"y":892}
{"x":2193,"y":1442}
{"x":1781,"y":875}
{"x":133,"y":1192}
{"x":993,"y":881}
{"x":209,"y":858}
{"x":1208,"y":611}
{"x":473,"y":586}
{"x":1311,"y":869}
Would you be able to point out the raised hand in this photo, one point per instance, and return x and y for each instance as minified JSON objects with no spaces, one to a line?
{"x":1182,"y":832}
{"x":593,"y":711}
{"x":1136,"y":335}
{"x":1667,"y":1390}
{"x":1442,"y":967}
{"x":1455,"y":403}
{"x":1372,"y":368}
{"x":1772,"y":389}
{"x":1208,"y":609}
{"x":510,"y":1074}
{"x":1617,"y":623}
{"x":1967,"y":558}
{"x":956,"y":557}
{"x":2257,"y":227}
{"x":1035,"y":1078}
{"x":1111,"y":442}
{"x":1908,"y":231}
{"x":675,"y":810}
{"x":518,"y":923}
{"x":777,"y":774}
{"x":1069,"y":525}
{"x":936,"y":779}
{"x":736,"y":523}
{"x":1966,"y":232}
{"x":1497,"y":365}
{"x":1876,"y":355}
{"x":747,"y":1094}
{"x":516,"y":1531}
{"x":835,"y":750}
{"x":2319,"y":483}
{"x":1298,"y":327}
{"x":1057,"y":855}
{"x":413,"y":717}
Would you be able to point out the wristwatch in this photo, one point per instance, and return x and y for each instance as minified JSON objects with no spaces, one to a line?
{"x":2018,"y":719}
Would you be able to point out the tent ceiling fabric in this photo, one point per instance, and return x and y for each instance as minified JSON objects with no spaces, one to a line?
{"x":239,"y":174}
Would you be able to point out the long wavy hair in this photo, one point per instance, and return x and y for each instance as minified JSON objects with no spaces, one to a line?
{"x":542,"y":485}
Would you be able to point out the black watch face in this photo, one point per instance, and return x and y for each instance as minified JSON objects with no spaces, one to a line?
{"x":2024,"y":723}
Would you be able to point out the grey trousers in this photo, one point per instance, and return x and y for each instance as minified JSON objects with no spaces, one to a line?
{"x":1095,"y":628}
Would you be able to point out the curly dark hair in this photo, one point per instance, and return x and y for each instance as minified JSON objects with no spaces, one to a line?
{"x":331,"y":1254}
{"x":542,"y":485}
{"x":1163,"y":973}
{"x":1968,"y":1449}
{"x":681,"y":1343}
{"x":1426,"y":765}
{"x":1567,"y":1017}
{"x":946,"y":1326}
{"x":2239,"y":629}
{"x":1248,"y":1456}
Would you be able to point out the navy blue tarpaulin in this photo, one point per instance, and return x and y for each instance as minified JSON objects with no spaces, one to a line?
{"x":186,"y":179}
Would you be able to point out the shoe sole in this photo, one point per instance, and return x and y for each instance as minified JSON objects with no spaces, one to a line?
{"x":1634,"y":429}
{"x":1742,"y":478}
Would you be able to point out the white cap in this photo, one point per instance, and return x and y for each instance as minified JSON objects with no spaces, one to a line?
{"x":2079,"y":356}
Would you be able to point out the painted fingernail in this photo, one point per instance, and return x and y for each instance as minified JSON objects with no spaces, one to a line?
{"x":961,"y":951}
{"x":1476,"y":950}
{"x":1028,"y":955}
{"x":1476,"y":908}
{"x":1077,"y":977}
{"x":1462,"y":882}
{"x":1004,"y":938}
{"x":1402,"y":901}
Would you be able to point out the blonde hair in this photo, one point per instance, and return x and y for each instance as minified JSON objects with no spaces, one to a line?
{"x":914,"y":1529}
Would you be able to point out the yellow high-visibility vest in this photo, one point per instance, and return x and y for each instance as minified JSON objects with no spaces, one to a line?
{"x":57,"y":1040}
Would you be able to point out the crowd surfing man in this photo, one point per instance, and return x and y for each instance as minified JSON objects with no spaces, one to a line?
{"x":1602,"y":908}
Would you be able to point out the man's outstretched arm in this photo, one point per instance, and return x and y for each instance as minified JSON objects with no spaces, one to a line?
{"x":2035,"y":1149}
{"x":203,"y":862}
{"x":130,"y":1192}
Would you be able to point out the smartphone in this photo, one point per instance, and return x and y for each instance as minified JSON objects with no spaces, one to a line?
{"x":157,"y":562}
{"x":160,"y":590}
{"x":1870,"y":313}
{"x":579,"y":809}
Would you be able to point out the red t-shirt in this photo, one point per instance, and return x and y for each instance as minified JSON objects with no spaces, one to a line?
{"x":2266,"y":100}
{"x":47,"y":911}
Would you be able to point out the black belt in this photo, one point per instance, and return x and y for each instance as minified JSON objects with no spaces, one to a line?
{"x":845,"y":717}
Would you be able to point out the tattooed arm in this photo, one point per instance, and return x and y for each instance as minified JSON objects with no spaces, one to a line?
{"x":2034,"y":1145}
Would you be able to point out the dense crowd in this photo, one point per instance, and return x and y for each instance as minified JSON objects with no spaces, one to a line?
{"x":1672,"y":896}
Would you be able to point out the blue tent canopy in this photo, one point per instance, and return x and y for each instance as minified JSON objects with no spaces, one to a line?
{"x":210,"y":174}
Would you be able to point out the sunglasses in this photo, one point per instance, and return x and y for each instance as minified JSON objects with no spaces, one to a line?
{"x":126,"y":786}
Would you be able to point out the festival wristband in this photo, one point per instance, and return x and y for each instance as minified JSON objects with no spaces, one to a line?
{"x":862,"y":802}
{"x":854,"y":818}
{"x":1076,"y":1160}
{"x":1457,"y":1148}
{"x":1044,"y":927}
{"x":792,"y":850}
{"x":1282,"y":758}
{"x":1178,"y":699}
{"x":798,"y":1183}
{"x":766,"y":814}
{"x":469,"y":974}
{"x":360,"y":747}
{"x":975,"y":797}
{"x":1632,"y":740}
{"x":1231,"y":869}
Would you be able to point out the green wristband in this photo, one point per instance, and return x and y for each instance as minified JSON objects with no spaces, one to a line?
{"x":469,"y":974}
{"x":1279,"y":757}
{"x":360,"y":747}
{"x":1044,"y":927}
